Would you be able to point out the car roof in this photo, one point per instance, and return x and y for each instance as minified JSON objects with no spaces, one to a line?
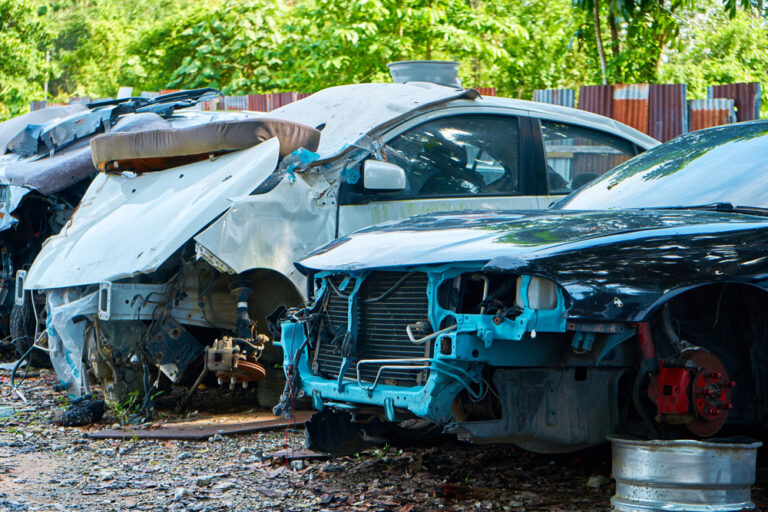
{"x":348,"y":113}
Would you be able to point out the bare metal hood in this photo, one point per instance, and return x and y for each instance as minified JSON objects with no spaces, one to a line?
{"x":349,"y":112}
{"x":130,"y":225}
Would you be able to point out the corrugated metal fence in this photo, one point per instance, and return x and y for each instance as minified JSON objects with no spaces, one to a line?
{"x":662,"y":110}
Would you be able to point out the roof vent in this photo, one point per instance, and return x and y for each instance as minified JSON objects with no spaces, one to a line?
{"x":436,"y":71}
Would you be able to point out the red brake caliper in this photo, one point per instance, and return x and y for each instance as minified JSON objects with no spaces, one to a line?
{"x":692,"y":389}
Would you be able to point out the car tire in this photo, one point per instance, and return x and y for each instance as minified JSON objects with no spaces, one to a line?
{"x":22,"y":327}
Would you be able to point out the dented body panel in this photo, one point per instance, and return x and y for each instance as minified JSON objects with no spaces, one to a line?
{"x":161,"y":210}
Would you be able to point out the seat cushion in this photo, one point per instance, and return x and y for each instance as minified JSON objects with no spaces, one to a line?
{"x":161,"y":149}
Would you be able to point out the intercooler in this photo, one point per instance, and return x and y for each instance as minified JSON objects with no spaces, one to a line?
{"x":381,"y":328}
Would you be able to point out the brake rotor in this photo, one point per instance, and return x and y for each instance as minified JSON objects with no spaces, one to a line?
{"x":711,"y":391}
{"x":244,"y":371}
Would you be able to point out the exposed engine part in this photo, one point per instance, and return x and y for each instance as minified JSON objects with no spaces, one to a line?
{"x":692,"y":389}
{"x":235,"y":360}
{"x":241,"y":290}
{"x":112,"y":351}
{"x":170,"y":346}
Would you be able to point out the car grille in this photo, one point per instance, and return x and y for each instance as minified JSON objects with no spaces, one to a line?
{"x":381,"y":328}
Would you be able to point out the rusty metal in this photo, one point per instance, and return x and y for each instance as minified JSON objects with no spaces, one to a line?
{"x":710,"y":112}
{"x":711,"y":393}
{"x":232,"y":364}
{"x":631,"y":105}
{"x":563,"y":97}
{"x":668,"y":111}
{"x":486,"y":91}
{"x":235,"y":103}
{"x":746,"y":98}
{"x":199,"y":433}
{"x":597,"y":99}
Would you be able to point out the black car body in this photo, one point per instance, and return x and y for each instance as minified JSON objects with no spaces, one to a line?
{"x":638,"y":304}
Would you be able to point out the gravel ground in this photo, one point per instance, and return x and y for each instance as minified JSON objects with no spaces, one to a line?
{"x":48,"y":467}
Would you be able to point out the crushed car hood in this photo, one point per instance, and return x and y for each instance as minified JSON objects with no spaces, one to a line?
{"x":131,"y":224}
{"x":509,"y":239}
{"x":347,"y":113}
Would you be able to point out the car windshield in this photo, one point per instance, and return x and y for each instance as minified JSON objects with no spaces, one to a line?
{"x":727,"y":164}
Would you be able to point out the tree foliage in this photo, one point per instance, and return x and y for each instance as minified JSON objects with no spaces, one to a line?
{"x":22,"y":58}
{"x":257,"y":46}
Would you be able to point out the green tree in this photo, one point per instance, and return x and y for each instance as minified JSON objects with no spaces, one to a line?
{"x":715,"y":49}
{"x":639,"y":33}
{"x":22,"y":58}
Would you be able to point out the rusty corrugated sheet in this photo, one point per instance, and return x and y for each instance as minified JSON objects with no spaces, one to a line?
{"x":668,"y":111}
{"x":563,"y":97}
{"x":257,"y":102}
{"x":746,"y":97}
{"x":486,"y":91}
{"x":710,"y":112}
{"x":235,"y":103}
{"x":631,"y":105}
{"x":597,"y":99}
{"x":169,"y":91}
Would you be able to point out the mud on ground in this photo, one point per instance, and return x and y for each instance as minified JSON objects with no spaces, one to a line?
{"x":47,"y":467}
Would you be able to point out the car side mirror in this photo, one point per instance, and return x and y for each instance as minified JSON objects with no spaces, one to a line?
{"x":383,"y":176}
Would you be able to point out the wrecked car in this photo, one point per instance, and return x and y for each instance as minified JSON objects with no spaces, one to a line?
{"x":45,"y":168}
{"x":170,"y":267}
{"x":635,"y":305}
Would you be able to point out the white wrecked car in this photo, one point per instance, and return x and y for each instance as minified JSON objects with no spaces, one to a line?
{"x":46,"y":167}
{"x":185,"y":242}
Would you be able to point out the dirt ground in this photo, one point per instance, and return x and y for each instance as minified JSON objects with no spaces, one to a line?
{"x":47,"y":467}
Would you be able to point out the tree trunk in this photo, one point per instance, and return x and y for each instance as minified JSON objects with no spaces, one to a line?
{"x":599,"y":39}
{"x":615,"y":43}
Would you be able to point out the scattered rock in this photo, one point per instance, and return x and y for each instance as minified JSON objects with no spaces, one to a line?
{"x":181,"y":492}
{"x":598,"y":481}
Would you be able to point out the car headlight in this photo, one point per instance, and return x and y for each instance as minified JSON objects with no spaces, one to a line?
{"x":541,"y":293}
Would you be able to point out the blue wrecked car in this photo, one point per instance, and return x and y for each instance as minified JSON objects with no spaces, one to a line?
{"x":635,"y":305}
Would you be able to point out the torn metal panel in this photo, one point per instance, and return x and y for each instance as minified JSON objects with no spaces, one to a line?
{"x":162,"y":210}
{"x":66,"y":335}
{"x":10,"y":198}
{"x":10,"y":128}
{"x":272,"y":230}
{"x":349,"y":112}
{"x":172,"y":348}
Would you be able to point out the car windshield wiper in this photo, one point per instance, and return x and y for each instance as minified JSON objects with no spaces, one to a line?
{"x":717,"y":207}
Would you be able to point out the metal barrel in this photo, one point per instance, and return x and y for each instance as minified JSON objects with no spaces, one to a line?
{"x":683,"y":475}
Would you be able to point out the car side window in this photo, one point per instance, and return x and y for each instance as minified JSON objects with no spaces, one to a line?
{"x":577,"y":155}
{"x":458,"y":156}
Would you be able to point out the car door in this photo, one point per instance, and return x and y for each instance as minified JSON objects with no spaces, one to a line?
{"x":452,"y":161}
{"x":575,"y":155}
